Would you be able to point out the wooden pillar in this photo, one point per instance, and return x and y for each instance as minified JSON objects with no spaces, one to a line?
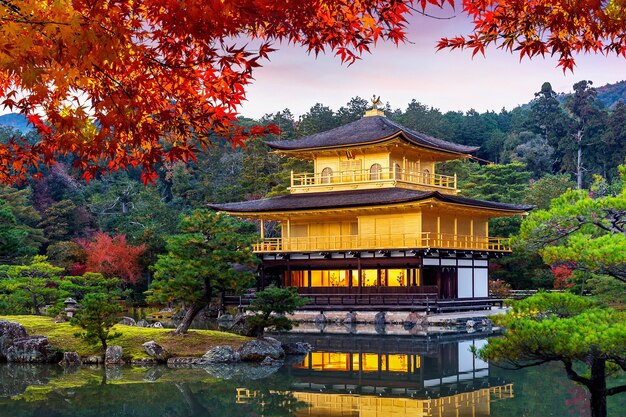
{"x":287,"y":244}
{"x":378,"y":276}
{"x":455,"y":230}
{"x":309,"y":277}
{"x":359,"y":273}
{"x":438,"y":238}
{"x":262,"y":230}
{"x":288,"y":280}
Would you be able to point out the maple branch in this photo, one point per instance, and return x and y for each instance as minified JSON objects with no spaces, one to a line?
{"x":429,"y":15}
{"x":113,"y":79}
{"x":12,"y":7}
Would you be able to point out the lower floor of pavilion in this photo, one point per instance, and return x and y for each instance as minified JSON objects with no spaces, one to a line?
{"x":405,"y":279}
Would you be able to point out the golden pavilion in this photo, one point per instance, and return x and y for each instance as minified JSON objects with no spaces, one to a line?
{"x":375,"y":225}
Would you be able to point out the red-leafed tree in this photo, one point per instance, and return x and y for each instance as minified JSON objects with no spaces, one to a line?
{"x":113,"y":257}
{"x":135,"y":83}
{"x":562,"y":275}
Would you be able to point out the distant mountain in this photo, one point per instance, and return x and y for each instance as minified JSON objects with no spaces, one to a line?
{"x":610,"y":94}
{"x":16,"y":121}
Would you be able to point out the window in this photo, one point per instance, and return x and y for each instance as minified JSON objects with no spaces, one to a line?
{"x":426,"y":176}
{"x":375,"y":172}
{"x":397,"y":171}
{"x":327,"y":175}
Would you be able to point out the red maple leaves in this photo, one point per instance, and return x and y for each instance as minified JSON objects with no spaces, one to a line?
{"x":113,"y":257}
{"x":533,"y":28}
{"x":136,"y":83}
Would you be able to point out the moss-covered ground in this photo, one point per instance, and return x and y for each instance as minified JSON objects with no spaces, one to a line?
{"x":61,"y":336}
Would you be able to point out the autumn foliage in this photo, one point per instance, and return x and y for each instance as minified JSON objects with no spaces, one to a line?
{"x":127,"y":83}
{"x":113,"y":257}
{"x":562,"y":28}
{"x":562,"y":274}
{"x":137,"y":83}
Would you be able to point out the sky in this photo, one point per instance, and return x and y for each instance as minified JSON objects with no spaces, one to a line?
{"x":447,"y":80}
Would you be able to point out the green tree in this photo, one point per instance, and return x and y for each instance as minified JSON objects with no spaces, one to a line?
{"x":212,"y":253}
{"x":28,"y":288}
{"x":569,"y":329}
{"x":501,"y":183}
{"x":98,"y":314}
{"x":18,"y":224}
{"x":586,"y":121}
{"x":544,"y":190}
{"x":580,"y":232}
{"x":270,"y":307}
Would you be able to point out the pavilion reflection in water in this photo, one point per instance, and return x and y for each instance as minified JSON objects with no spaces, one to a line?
{"x":441,"y":382}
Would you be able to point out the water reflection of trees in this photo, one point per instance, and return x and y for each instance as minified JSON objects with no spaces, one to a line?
{"x":51,"y":392}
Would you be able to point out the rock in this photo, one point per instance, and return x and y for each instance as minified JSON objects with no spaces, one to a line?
{"x":272,"y":340}
{"x":221,"y":354}
{"x":256,"y":350}
{"x":70,"y":359}
{"x":128,"y":321}
{"x":486,"y":323}
{"x":144,"y":362}
{"x":9,"y":331}
{"x":350,"y":318}
{"x":271,"y":362}
{"x":297,"y":348}
{"x":226,"y":320}
{"x":156,"y":325}
{"x":241,"y":325}
{"x":142,"y":323}
{"x":30,"y":350}
{"x":113,"y":355}
{"x":470,"y":324}
{"x":93,"y":360}
{"x":156,"y":351}
{"x":380,"y":319}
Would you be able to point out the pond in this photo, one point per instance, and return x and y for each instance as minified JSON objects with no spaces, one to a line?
{"x":350,"y":375}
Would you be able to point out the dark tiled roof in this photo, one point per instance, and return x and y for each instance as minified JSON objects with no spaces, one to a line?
{"x":341,"y":199}
{"x":366,"y":130}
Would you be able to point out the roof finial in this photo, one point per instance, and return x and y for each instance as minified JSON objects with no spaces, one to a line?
{"x":375,"y":111}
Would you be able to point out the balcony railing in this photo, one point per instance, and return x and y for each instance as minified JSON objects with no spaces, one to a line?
{"x":366,"y":175}
{"x":375,"y":242}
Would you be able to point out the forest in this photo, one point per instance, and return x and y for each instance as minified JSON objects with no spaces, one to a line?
{"x":117,"y":226}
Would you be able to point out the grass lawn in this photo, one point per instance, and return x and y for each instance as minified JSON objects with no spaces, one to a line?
{"x":61,"y":336}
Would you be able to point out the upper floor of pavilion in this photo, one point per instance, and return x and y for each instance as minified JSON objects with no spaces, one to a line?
{"x":372,"y":152}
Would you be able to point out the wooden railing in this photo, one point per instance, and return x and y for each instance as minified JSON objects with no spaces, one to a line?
{"x":391,"y":241}
{"x":365,"y":175}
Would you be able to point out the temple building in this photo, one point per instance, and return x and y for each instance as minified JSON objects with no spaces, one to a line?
{"x":375,"y":224}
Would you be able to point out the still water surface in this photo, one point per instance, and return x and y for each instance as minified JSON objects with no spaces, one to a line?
{"x":346,"y":376}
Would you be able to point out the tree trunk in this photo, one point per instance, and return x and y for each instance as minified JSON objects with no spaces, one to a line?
{"x":597,"y":388}
{"x":579,"y":161}
{"x":195,"y":308}
{"x":191,"y":314}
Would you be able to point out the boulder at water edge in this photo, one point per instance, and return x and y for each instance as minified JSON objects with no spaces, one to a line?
{"x":113,"y":355}
{"x":30,"y":350}
{"x":156,"y":351}
{"x":70,"y":359}
{"x":221,"y":354}
{"x":258,"y":349}
{"x":9,"y":331}
{"x":297,"y":348}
